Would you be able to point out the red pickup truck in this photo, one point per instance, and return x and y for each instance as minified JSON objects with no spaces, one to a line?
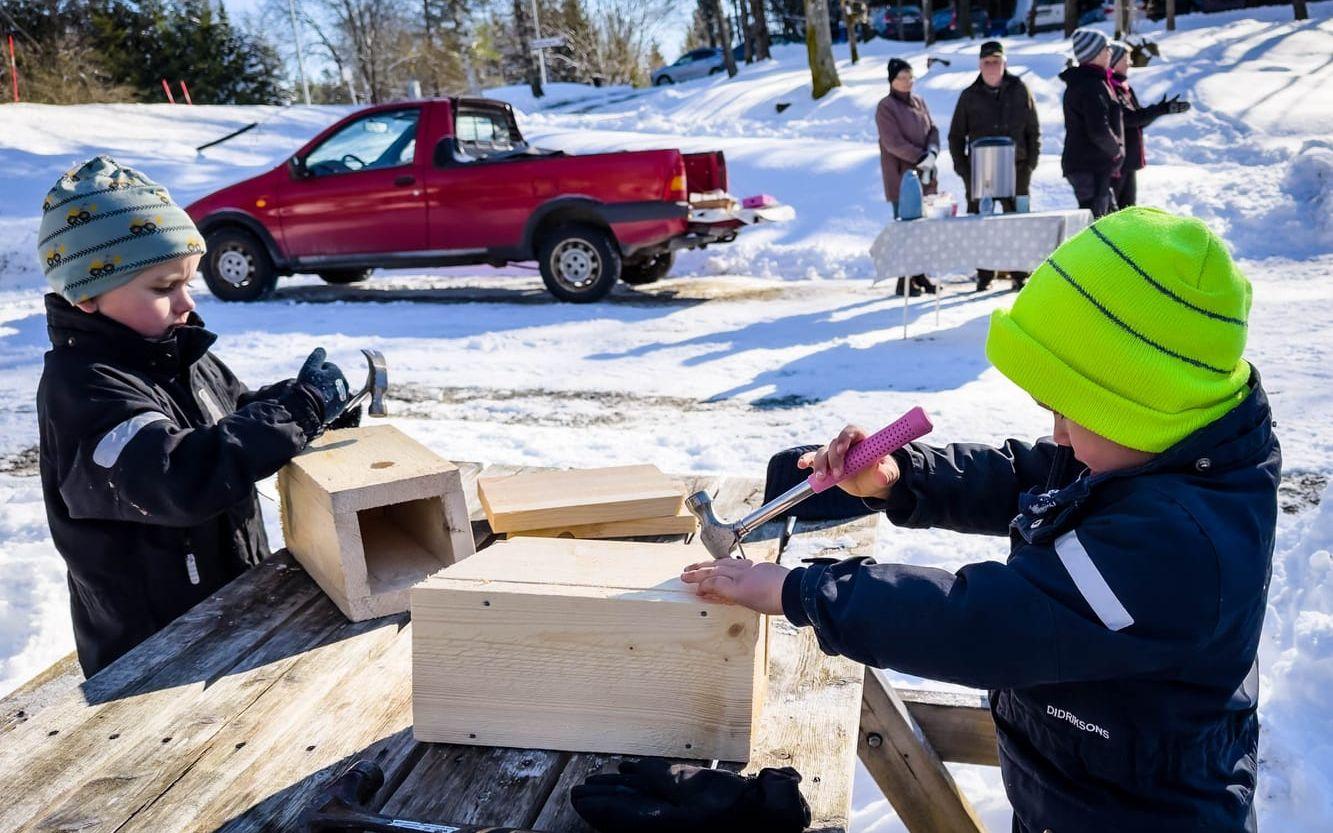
{"x":447,"y":182}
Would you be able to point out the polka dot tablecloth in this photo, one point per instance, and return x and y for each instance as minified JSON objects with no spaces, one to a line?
{"x":1008,"y":242}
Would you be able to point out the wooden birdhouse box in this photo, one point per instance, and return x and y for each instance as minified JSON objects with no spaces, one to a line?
{"x":592,"y":646}
{"x":369,"y":512}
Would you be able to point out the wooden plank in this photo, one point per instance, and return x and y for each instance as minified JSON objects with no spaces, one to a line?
{"x":906,"y":767}
{"x":681,"y":523}
{"x":478,"y":785}
{"x":629,"y":659}
{"x":958,"y":725}
{"x":104,"y":772}
{"x":53,"y":684}
{"x":543,"y":499}
{"x":347,"y":697}
{"x":374,"y":465}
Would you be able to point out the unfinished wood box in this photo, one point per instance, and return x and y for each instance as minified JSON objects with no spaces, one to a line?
{"x":590,"y":646}
{"x":369,"y":512}
{"x":576,"y":497}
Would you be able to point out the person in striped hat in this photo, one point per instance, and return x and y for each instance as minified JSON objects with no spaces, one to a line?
{"x":149,"y":445}
{"x":1118,"y":638}
{"x":1094,"y":126}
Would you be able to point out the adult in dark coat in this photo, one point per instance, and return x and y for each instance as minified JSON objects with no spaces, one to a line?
{"x":908,"y":140}
{"x":996,"y":104}
{"x":1137,"y":118}
{"x":1094,"y":125}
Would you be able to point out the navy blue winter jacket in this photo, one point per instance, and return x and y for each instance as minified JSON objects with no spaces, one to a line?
{"x":1118,"y":641}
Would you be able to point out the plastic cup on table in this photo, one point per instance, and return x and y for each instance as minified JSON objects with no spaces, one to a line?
{"x":1022,"y":205}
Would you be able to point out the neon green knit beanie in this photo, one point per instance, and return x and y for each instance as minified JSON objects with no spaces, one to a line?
{"x":1133,"y":329}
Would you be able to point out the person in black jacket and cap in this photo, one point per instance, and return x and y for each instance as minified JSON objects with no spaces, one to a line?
{"x":1094,"y":126}
{"x":998,"y":103}
{"x":1137,"y":118}
{"x":149,"y":446}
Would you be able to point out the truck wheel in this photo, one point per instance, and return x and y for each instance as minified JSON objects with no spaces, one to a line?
{"x":640,"y":272}
{"x":663,"y":80}
{"x":340,"y":277}
{"x":237,"y":267}
{"x":578,"y":263}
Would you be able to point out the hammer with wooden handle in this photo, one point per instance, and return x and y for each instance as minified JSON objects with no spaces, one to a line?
{"x":721,"y":538}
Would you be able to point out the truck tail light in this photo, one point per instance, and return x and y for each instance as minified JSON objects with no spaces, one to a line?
{"x":676,"y":191}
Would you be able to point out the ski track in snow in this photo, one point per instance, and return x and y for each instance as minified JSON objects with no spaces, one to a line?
{"x":754,"y":348}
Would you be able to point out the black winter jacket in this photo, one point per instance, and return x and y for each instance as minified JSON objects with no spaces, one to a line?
{"x":1094,"y":124}
{"x":1119,"y":639}
{"x":982,"y":111}
{"x":150,"y":450}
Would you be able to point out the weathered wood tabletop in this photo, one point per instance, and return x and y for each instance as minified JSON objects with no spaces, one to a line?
{"x":238,"y":714}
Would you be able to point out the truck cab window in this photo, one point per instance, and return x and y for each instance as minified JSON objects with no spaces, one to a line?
{"x":484,"y":134}
{"x":380,"y":140}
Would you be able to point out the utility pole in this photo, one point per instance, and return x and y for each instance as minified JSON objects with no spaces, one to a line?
{"x":300,"y":58}
{"x":537,"y":33}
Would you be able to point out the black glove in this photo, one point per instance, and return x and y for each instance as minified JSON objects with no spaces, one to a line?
{"x":654,"y":796}
{"x":1172,"y":105}
{"x":328,"y":384}
{"x":351,"y":418}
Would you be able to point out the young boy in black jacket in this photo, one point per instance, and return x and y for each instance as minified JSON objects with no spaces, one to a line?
{"x":150,"y":447}
{"x":1118,"y":641}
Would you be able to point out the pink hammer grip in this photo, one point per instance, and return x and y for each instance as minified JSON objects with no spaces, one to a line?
{"x":910,"y":426}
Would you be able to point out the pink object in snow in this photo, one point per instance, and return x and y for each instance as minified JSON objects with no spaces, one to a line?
{"x":759,"y":201}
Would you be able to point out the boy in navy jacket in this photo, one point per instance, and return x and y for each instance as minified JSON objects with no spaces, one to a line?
{"x":1118,"y":641}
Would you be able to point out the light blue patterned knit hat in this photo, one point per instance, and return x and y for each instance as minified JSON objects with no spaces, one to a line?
{"x":104,"y":223}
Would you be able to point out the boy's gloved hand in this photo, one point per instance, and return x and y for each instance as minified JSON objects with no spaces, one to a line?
{"x":654,"y":796}
{"x":327,"y":382}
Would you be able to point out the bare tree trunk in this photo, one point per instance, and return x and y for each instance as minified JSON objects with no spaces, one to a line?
{"x":849,"y":19}
{"x":1299,"y":7}
{"x":760,"y":25}
{"x":1170,"y":15}
{"x":525,"y":32}
{"x":927,"y":30}
{"x":819,"y":48}
{"x":724,"y":35}
{"x":747,"y":30}
{"x":963,"y":8}
{"x":1071,"y":16}
{"x":1032,"y":20}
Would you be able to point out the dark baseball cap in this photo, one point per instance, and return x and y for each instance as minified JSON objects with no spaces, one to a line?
{"x":992,"y":47}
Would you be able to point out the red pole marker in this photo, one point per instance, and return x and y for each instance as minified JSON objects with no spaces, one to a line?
{"x":13,"y":69}
{"x":166,"y":88}
{"x":185,"y":91}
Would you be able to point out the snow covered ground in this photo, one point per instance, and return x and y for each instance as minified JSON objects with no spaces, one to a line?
{"x":755,"y":346}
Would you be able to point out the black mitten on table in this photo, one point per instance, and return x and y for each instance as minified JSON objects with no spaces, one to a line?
{"x":655,"y":796}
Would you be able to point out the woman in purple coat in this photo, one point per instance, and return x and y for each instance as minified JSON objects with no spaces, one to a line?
{"x":908,"y":140}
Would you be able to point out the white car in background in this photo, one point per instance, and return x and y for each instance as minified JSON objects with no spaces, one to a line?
{"x":696,"y":63}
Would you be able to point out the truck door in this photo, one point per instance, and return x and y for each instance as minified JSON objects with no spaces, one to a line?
{"x":358,"y":192}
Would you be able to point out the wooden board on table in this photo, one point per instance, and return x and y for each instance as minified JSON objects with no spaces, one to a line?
{"x":630,"y":659}
{"x":544,"y":499}
{"x":681,"y":523}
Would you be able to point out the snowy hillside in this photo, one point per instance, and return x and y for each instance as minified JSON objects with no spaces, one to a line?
{"x":752,"y":347}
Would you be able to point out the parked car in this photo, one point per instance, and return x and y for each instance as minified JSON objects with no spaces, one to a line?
{"x":697,"y":63}
{"x":451,"y":181}
{"x":1050,"y":15}
{"x":885,"y":22}
{"x":944,"y":22}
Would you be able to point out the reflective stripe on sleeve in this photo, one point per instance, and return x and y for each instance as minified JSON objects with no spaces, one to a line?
{"x":1088,"y":579}
{"x":114,"y":441}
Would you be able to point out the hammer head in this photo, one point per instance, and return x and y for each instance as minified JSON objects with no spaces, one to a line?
{"x":377,"y":381}
{"x":718,"y":538}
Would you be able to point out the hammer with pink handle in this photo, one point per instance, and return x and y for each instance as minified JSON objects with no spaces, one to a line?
{"x":721,"y":538}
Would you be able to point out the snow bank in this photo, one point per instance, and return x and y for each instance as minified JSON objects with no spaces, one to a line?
{"x":1296,"y":742}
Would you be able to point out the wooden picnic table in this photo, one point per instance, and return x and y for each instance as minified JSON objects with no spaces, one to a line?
{"x":239,"y":713}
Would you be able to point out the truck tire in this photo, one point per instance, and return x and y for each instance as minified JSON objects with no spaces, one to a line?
{"x":640,"y":272}
{"x":340,"y":277}
{"x":579,"y":263}
{"x":237,"y":266}
{"x":663,"y":80}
